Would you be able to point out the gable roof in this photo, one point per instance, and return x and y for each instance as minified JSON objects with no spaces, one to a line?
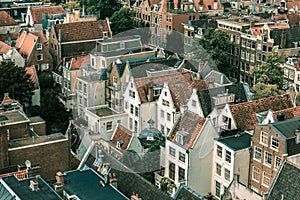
{"x":286,"y":184}
{"x":79,"y":31}
{"x":190,"y":123}
{"x":122,"y":135}
{"x":6,"y":19}
{"x":78,"y":62}
{"x":206,"y":101}
{"x":40,"y":35}
{"x":37,"y":12}
{"x":179,"y":85}
{"x":288,"y":113}
{"x":4,"y":48}
{"x":244,"y":113}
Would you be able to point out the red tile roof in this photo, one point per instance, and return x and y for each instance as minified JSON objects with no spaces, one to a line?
{"x":290,"y":4}
{"x":244,"y":113}
{"x":40,"y":35}
{"x":21,"y":175}
{"x":10,"y":36}
{"x":199,"y":85}
{"x":6,"y":19}
{"x":78,"y":62}
{"x":33,"y":75}
{"x":122,"y":133}
{"x":206,"y":3}
{"x":4,"y":48}
{"x":190,"y":123}
{"x":20,"y":39}
{"x":288,"y":113}
{"x":38,"y":11}
{"x":78,"y":31}
{"x":28,"y":44}
{"x":179,"y":85}
{"x":7,"y":100}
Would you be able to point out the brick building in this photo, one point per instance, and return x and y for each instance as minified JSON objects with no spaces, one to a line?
{"x":271,"y":144}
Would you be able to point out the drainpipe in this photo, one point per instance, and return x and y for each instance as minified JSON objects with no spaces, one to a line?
{"x":59,"y":44}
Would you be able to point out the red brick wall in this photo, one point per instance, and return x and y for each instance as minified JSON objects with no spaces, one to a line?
{"x":3,"y":148}
{"x":51,"y":157}
{"x":260,"y":165}
{"x":40,"y":128}
{"x":18,"y":131}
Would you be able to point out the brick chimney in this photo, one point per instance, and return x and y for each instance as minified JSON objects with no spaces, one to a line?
{"x":60,"y":177}
{"x":34,"y":185}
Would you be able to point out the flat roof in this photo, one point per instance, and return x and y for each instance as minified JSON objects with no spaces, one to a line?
{"x":13,"y":116}
{"x":86,"y":185}
{"x":35,"y":140}
{"x":22,"y":189}
{"x":102,"y":111}
{"x":237,"y":142}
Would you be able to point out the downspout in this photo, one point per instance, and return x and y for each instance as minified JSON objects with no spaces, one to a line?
{"x":59,"y":44}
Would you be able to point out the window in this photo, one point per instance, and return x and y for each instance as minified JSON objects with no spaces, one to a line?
{"x":257,"y":154}
{"x":193,"y":103}
{"x":168,"y":116}
{"x":266,"y":179}
{"x":162,"y":129}
{"x":172,"y":171}
{"x":165,"y":103}
{"x":108,"y":126}
{"x":126,"y":105}
{"x":136,"y":111}
{"x":181,"y":174}
{"x":219,"y":151}
{"x":275,"y":143}
{"x":181,"y":157}
{"x":277,"y":162}
{"x":172,"y":151}
{"x":131,"y":108}
{"x":218,"y":169}
{"x":162,"y":114}
{"x":84,"y":88}
{"x":264,"y":138}
{"x":268,"y":159}
{"x":228,"y":156}
{"x":132,"y":93}
{"x":256,"y":174}
{"x":227,"y":174}
{"x":135,"y":126}
{"x":156,"y":92}
{"x":39,"y":57}
{"x":179,"y":138}
{"x":218,"y":189}
{"x":39,"y":46}
{"x":122,"y":45}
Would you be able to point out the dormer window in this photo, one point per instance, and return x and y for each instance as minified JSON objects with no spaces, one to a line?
{"x":223,"y":99}
{"x":122,"y":45}
{"x":157,"y":90}
{"x":180,"y":136}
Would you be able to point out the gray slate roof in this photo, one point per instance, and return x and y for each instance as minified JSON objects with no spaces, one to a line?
{"x":86,"y":185}
{"x":286,"y":183}
{"x":287,"y":127}
{"x":22,"y":190}
{"x":236,"y":142}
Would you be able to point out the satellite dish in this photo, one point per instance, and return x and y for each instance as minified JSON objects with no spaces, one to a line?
{"x":28,"y":163}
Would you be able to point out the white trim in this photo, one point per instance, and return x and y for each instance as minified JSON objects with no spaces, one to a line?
{"x":39,"y":144}
{"x":9,"y":189}
{"x":81,"y":41}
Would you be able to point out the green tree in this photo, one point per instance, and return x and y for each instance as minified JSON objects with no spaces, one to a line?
{"x":122,"y":20}
{"x":105,"y":8}
{"x":217,"y":43}
{"x":14,"y":80}
{"x":71,"y":5}
{"x":262,"y":90}
{"x":270,"y":72}
{"x":166,"y":184}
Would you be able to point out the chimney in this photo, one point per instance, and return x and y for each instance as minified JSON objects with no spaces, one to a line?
{"x":150,"y":91}
{"x":297,"y":132}
{"x":280,"y":117}
{"x":59,"y":177}
{"x":283,"y":39}
{"x":34,"y":185}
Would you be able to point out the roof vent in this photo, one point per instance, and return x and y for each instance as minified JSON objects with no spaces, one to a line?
{"x":34,"y":185}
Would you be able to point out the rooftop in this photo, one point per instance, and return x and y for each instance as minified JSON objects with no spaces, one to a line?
{"x":36,"y":119}
{"x":35,"y":140}
{"x":287,"y":127}
{"x":86,"y":184}
{"x":102,"y":111}
{"x":237,"y":142}
{"x":23,"y":191}
{"x":11,"y":117}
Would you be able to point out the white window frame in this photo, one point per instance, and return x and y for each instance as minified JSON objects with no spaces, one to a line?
{"x":266,"y":177}
{"x":227,"y":174}
{"x":277,"y":162}
{"x":263,"y":136}
{"x":218,"y":169}
{"x":255,"y":170}
{"x":254,"y":154}
{"x":271,"y":145}
{"x":265,"y":159}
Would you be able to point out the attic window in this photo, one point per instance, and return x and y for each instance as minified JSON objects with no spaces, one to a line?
{"x":39,"y":46}
{"x":180,"y":136}
{"x":39,"y":57}
{"x":105,"y":34}
{"x":122,"y":45}
{"x":120,"y":143}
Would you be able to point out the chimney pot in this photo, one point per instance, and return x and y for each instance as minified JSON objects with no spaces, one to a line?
{"x":60,"y":177}
{"x":34,"y":185}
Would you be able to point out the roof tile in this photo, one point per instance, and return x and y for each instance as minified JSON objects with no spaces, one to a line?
{"x":122,"y":133}
{"x":38,"y":12}
{"x":4,"y":48}
{"x":6,"y":19}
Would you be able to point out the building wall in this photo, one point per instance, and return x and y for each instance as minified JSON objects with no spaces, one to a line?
{"x":39,"y":128}
{"x":9,"y":29}
{"x":241,"y":165}
{"x":75,"y":17}
{"x":77,"y":48}
{"x":51,"y":157}
{"x":17,"y":58}
{"x":3,"y":148}
{"x":18,"y":130}
{"x":260,"y":164}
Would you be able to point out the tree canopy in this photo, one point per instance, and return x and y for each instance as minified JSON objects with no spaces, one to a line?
{"x":122,"y":20}
{"x":14,"y":80}
{"x":270,"y":71}
{"x":217,"y":43}
{"x":105,"y":8}
{"x":262,"y":90}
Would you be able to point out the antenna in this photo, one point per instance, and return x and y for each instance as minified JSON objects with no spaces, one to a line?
{"x":28,"y":163}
